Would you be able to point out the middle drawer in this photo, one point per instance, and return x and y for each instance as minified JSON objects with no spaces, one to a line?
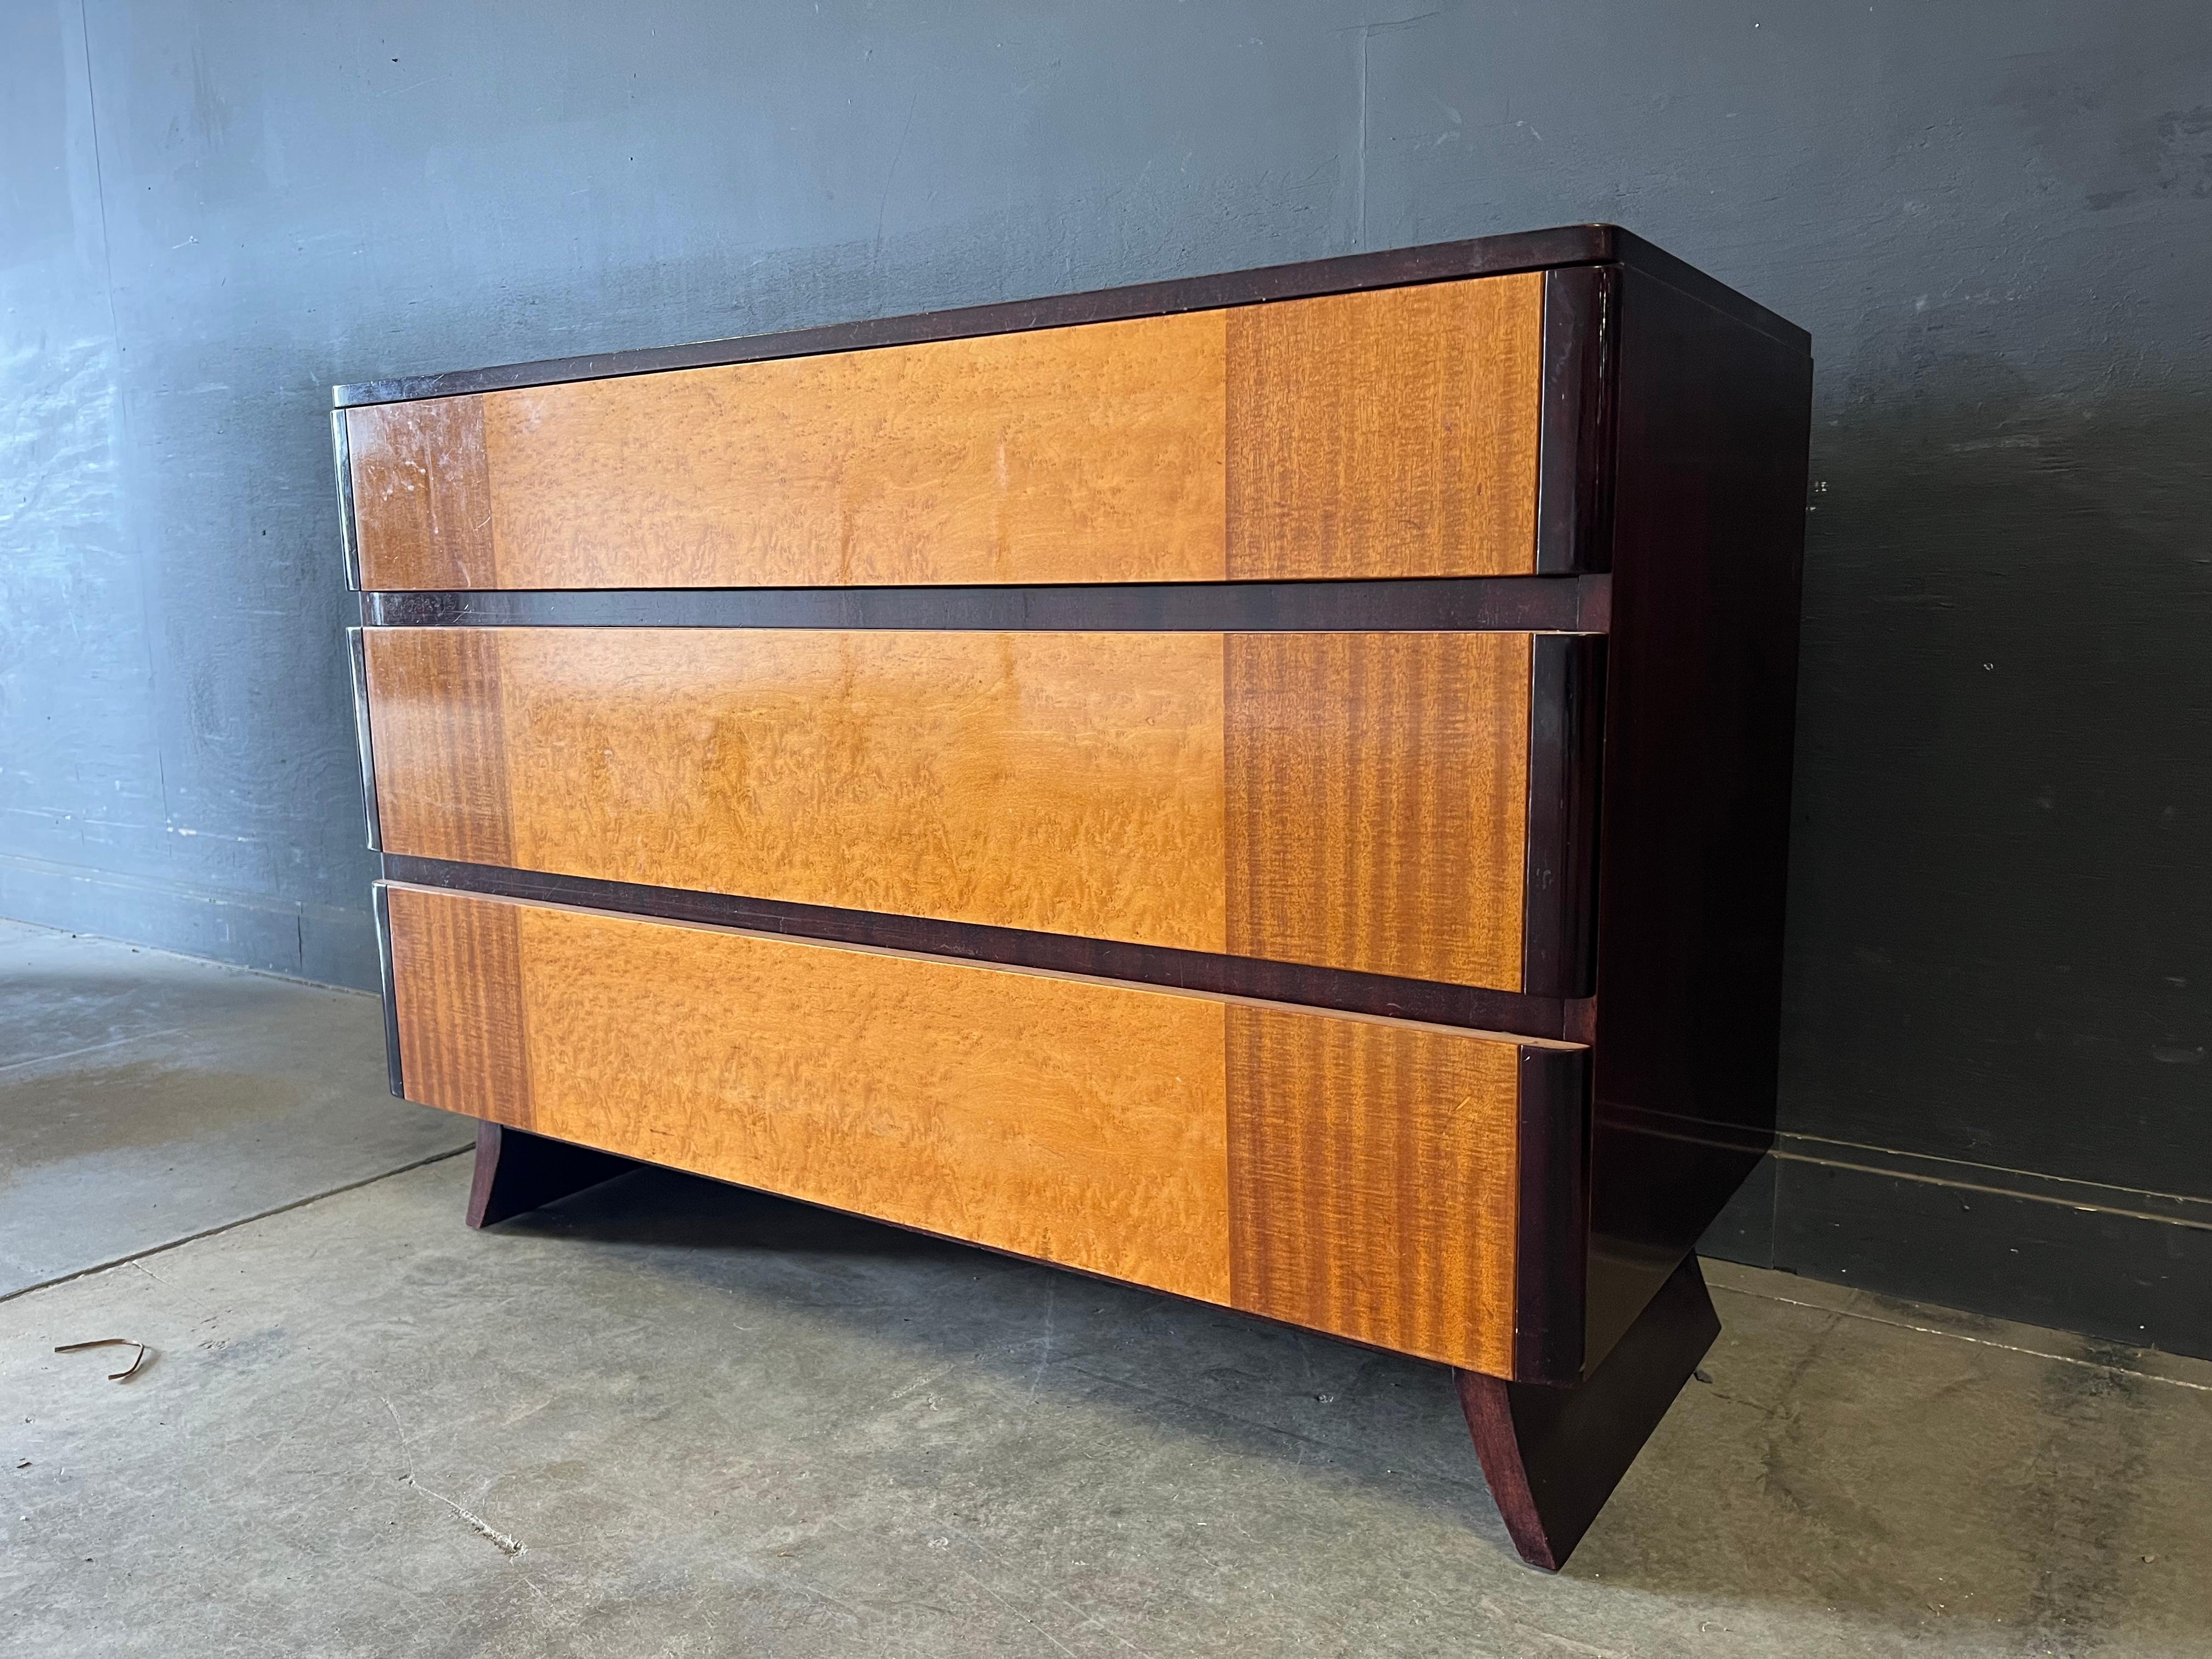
{"x":1347,"y":800}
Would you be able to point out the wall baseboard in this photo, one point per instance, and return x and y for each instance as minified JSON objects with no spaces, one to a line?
{"x":316,"y":942}
{"x":2115,"y":1263}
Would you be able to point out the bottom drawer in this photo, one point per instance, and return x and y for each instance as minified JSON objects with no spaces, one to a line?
{"x":1359,"y":1176}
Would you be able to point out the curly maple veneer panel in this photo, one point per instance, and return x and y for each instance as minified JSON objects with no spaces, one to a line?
{"x":1353,"y":801}
{"x":1386,"y":433}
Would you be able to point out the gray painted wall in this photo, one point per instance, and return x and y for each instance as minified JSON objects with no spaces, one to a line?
{"x":1994,"y":218}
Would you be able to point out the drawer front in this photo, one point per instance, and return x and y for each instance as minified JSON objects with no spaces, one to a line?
{"x":1392,"y":433}
{"x":1355,"y":1174}
{"x":1358,"y":801}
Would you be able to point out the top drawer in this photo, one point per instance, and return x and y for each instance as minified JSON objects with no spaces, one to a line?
{"x":1385,"y":433}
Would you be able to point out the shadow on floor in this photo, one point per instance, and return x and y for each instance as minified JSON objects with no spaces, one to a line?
{"x":1832,"y":1463}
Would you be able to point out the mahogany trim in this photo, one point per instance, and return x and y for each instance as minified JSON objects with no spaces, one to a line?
{"x":348,"y":541}
{"x":517,"y":1172}
{"x":1482,"y":256}
{"x":1553,"y":1456}
{"x":1474,"y":1008}
{"x":1566,"y":730}
{"x":380,"y":904}
{"x":357,"y":658}
{"x":1574,"y":450}
{"x":1551,"y":1247}
{"x":1565,"y":604}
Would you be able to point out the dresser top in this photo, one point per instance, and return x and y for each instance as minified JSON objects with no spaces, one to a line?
{"x":1481,"y":255}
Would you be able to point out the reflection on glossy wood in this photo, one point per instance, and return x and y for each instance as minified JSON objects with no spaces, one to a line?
{"x":436,"y":712}
{"x":422,"y":494}
{"x":1371,"y":1180}
{"x":1378,"y":801}
{"x":457,"y":986}
{"x":1391,"y":433}
{"x":1388,"y":434}
{"x":1357,"y":801}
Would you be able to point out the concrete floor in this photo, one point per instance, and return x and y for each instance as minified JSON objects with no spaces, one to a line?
{"x":146,"y":1097}
{"x":669,"y":1418}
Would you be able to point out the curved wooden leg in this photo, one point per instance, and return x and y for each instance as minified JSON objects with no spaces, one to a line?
{"x":517,"y":1171}
{"x":1552,"y":1455}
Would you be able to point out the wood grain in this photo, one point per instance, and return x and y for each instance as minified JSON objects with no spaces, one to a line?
{"x":1372,"y":1182}
{"x":457,"y":991}
{"x":1065,"y":1119}
{"x":1351,"y":801}
{"x":1391,"y":433}
{"x":1377,"y":801}
{"x":1061,"y":782}
{"x":1387,"y":434}
{"x":436,"y":713}
{"x":1341,"y":1171}
{"x":1070,"y":455}
{"x":422,"y":494}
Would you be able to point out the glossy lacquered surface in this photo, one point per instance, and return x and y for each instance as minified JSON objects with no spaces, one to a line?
{"x":1350,"y":1174}
{"x":1391,"y":434}
{"x":1357,"y":801}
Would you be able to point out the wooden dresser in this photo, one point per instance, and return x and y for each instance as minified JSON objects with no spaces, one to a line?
{"x":1272,"y":787}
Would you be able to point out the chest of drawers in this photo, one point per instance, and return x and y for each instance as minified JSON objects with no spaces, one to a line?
{"x":1271,"y":788}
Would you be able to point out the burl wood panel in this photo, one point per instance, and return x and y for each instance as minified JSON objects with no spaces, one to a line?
{"x":1068,"y":454}
{"x":1061,"y":782}
{"x":1059,"y":1118}
{"x":1345,"y":800}
{"x":1378,"y":800}
{"x":1372,"y":1181}
{"x":1391,"y":434}
{"x":1336,"y":1170}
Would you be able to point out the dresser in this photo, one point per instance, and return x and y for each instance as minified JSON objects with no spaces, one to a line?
{"x":1271,"y":788}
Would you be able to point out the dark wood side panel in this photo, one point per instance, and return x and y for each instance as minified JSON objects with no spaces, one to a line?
{"x":1372,"y":1184}
{"x":421,"y":492}
{"x":1709,"y":516}
{"x":457,"y":999}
